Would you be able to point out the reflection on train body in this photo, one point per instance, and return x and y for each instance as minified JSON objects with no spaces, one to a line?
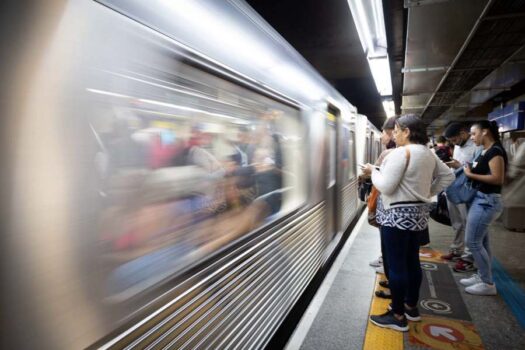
{"x":183,"y":172}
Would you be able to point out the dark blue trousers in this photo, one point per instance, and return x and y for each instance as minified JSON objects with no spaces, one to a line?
{"x":383,"y":252}
{"x":404,"y":270}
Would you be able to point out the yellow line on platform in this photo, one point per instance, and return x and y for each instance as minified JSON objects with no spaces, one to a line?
{"x":378,"y":338}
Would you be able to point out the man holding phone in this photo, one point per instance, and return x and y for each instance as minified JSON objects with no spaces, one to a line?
{"x":464,"y":150}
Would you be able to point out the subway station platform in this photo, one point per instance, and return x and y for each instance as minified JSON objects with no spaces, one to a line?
{"x":337,"y":317}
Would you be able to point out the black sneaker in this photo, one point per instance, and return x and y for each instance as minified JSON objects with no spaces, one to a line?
{"x":384,"y":283}
{"x":388,"y":320}
{"x":411,"y":314}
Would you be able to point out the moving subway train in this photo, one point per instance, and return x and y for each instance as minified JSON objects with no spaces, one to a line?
{"x":177,"y":174}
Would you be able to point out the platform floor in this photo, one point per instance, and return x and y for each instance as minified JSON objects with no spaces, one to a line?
{"x":337,"y":318}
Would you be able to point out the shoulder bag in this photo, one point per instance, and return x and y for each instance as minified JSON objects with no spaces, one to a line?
{"x":461,"y":190}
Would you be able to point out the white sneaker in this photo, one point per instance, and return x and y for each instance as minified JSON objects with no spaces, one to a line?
{"x":472,"y":280}
{"x":380,"y":269}
{"x":482,"y":288}
{"x":377,"y":262}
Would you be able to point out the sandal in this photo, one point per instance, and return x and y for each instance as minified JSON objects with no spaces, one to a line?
{"x":384,"y":284}
{"x":383,"y":294}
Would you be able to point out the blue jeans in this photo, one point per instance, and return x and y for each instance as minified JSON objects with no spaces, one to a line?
{"x":404,"y":270}
{"x":484,"y":209}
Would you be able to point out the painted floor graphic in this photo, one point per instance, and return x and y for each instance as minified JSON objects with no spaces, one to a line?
{"x":445,"y":319}
{"x":441,"y":333}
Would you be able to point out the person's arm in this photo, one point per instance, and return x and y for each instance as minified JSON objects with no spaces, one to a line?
{"x":443,"y":177}
{"x":389,"y":177}
{"x":497,"y":172}
{"x":454,"y":163}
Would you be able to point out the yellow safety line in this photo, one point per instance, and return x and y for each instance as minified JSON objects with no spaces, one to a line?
{"x":378,"y":338}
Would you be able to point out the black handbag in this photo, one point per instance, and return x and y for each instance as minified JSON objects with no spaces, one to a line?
{"x":439,"y":210}
{"x":424,"y":237}
{"x":364,"y":189}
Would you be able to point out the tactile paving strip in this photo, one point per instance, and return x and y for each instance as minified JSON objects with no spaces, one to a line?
{"x":377,"y":337}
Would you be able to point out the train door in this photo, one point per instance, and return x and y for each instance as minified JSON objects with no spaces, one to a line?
{"x":332,"y":120}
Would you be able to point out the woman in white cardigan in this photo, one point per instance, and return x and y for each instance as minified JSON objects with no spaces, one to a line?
{"x":408,"y":178}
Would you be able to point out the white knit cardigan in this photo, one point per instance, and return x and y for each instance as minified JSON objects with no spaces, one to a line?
{"x":425,"y":176}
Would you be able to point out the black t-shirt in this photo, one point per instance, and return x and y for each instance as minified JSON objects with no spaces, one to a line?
{"x":481,"y":167}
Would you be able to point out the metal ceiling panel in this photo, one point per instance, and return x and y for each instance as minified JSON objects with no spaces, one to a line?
{"x":414,"y":103}
{"x":500,"y":80}
{"x":436,"y":31}
{"x":421,"y":82}
{"x":489,"y":62}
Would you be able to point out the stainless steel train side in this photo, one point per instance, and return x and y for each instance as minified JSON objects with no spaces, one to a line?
{"x":132,"y":222}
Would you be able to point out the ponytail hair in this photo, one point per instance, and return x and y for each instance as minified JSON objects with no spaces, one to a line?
{"x":491,"y":126}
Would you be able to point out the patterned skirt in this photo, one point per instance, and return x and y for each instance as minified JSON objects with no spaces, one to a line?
{"x":412,"y":217}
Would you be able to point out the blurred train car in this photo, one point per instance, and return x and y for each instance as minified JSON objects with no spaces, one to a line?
{"x":177,"y":175}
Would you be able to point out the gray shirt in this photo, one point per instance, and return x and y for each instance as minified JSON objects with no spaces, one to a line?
{"x":465,"y":153}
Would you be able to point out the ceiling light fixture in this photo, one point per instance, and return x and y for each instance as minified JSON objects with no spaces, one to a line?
{"x":370,"y":24}
{"x":390,"y":109}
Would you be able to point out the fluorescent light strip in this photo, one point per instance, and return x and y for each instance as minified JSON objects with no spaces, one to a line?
{"x":373,"y":38}
{"x":363,"y":28}
{"x":380,"y":68}
{"x":389,"y":107}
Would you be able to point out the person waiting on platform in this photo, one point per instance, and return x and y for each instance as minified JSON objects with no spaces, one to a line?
{"x":443,"y":151}
{"x":487,"y":173}
{"x":464,"y":151}
{"x":381,"y":264}
{"x":407,"y":179}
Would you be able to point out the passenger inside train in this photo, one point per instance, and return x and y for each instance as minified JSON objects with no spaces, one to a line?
{"x":172,"y":198}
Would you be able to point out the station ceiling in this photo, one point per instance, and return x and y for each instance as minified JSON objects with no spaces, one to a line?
{"x":449,"y":59}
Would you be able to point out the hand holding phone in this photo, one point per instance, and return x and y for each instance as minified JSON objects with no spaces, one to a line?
{"x":453,"y":164}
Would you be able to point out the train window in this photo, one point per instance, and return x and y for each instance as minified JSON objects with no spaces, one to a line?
{"x":344,"y":164}
{"x":332,"y":155}
{"x":188,"y":163}
{"x":351,"y":155}
{"x":371,"y":148}
{"x":367,"y":149}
